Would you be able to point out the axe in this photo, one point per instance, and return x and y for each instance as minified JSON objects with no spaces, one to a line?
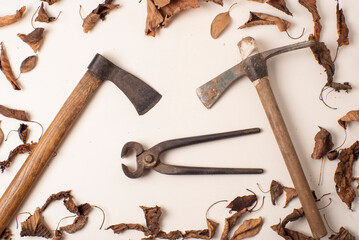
{"x":142,"y":96}
{"x":254,"y":67}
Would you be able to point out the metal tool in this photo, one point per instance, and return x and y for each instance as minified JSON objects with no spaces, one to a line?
{"x":151,"y":158}
{"x":254,"y":67}
{"x":142,"y":96}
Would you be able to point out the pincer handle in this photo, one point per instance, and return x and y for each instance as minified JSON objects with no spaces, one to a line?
{"x":286,"y":147}
{"x":39,"y":157}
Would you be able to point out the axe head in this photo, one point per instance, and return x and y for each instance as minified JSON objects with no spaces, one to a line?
{"x":253,"y":65}
{"x":142,"y":96}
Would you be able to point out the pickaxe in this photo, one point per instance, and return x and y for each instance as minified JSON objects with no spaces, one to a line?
{"x":142,"y":96}
{"x":254,"y":67}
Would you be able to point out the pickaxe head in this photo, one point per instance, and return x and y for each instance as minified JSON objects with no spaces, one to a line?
{"x":142,"y":96}
{"x":253,"y":66}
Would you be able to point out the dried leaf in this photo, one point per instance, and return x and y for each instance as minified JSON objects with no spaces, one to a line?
{"x":340,"y":86}
{"x":153,"y":19}
{"x":98,"y":13}
{"x":33,"y":39}
{"x":50,"y":2}
{"x":276,"y":189}
{"x":170,"y":235}
{"x":28,"y":64}
{"x":202,"y":234}
{"x":311,"y":6}
{"x":23,"y":132}
{"x":5,"y":67}
{"x":10,"y":19}
{"x":161,"y":3}
{"x":289,"y":234}
{"x":35,"y":226}
{"x":220,"y":22}
{"x":152,"y":216}
{"x":58,"y":235}
{"x":55,"y":197}
{"x":175,"y":7}
{"x":323,"y":143}
{"x":230,"y":222}
{"x":349,"y":117}
{"x":119,"y":228}
{"x":23,"y":148}
{"x":43,"y":16}
{"x":6,"y":234}
{"x":248,"y":228}
{"x":342,"y":28}
{"x":281,"y":5}
{"x":84,"y":209}
{"x":332,"y":155}
{"x":219,"y":2}
{"x":256,"y":19}
{"x":295,"y":215}
{"x":13,"y":113}
{"x":290,"y":193}
{"x":241,"y":202}
{"x":342,"y":235}
{"x":78,"y":224}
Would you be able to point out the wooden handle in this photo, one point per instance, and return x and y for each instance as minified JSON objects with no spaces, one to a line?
{"x":290,"y":157}
{"x":37,"y":160}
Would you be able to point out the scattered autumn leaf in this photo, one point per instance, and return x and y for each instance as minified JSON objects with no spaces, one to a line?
{"x":281,"y":5}
{"x":23,"y":132}
{"x":323,"y":143}
{"x":152,"y":216}
{"x":276,"y":189}
{"x":230,"y":222}
{"x":340,"y":86}
{"x":342,"y":28}
{"x":311,"y":6}
{"x":21,"y":149}
{"x":58,"y":235}
{"x":342,"y":235}
{"x":295,"y":215}
{"x":241,"y":202}
{"x":248,"y":228}
{"x":153,"y":19}
{"x":332,"y":155}
{"x":349,"y":117}
{"x":35,"y":226}
{"x":220,"y":22}
{"x":55,"y":197}
{"x":33,"y":39}
{"x":161,"y":3}
{"x":98,"y":13}
{"x":119,"y":228}
{"x":289,"y":234}
{"x":42,"y":16}
{"x":10,"y":19}
{"x":290,"y":193}
{"x":79,"y":222}
{"x":256,"y":19}
{"x":5,"y":67}
{"x":202,"y":234}
{"x":50,"y":2}
{"x":28,"y":64}
{"x":176,"y":234}
{"x":13,"y":113}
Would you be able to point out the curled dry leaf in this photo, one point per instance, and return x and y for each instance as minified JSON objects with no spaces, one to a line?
{"x":161,"y":3}
{"x":342,"y":235}
{"x":349,"y":117}
{"x":13,"y":113}
{"x":248,"y":228}
{"x":340,"y":86}
{"x":332,"y":155}
{"x":311,"y":6}
{"x":5,"y":67}
{"x":290,"y":193}
{"x":295,"y":215}
{"x":21,"y":149}
{"x":55,"y":197}
{"x":98,"y":13}
{"x":10,"y":19}
{"x":289,"y":234}
{"x":58,"y":235}
{"x":153,"y":20}
{"x":241,"y":202}
{"x":78,"y":224}
{"x":50,"y":2}
{"x":281,"y":5}
{"x":6,"y":234}
{"x":170,"y":235}
{"x":119,"y":228}
{"x":152,"y":216}
{"x":342,"y":28}
{"x":276,"y":189}
{"x":202,"y":234}
{"x":28,"y":64}
{"x":33,"y":39}
{"x":323,"y":143}
{"x":256,"y":19}
{"x":23,"y":132}
{"x":43,"y":16}
{"x":35,"y":226}
{"x":220,"y":22}
{"x":230,"y":222}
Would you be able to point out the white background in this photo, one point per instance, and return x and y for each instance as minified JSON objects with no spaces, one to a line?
{"x":179,"y":59}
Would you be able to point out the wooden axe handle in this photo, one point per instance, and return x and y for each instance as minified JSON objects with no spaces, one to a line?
{"x":290,"y":157}
{"x":39,"y":157}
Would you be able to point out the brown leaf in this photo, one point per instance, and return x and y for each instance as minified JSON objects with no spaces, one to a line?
{"x":43,"y":16}
{"x":58,"y":235}
{"x":5,"y":67}
{"x":241,"y":202}
{"x":332,"y":155}
{"x":276,"y":189}
{"x":84,"y":209}
{"x":340,"y":86}
{"x":161,"y":3}
{"x":349,"y":117}
{"x":10,"y":19}
{"x":220,"y":22}
{"x":202,"y":234}
{"x":6,"y":234}
{"x":342,"y":28}
{"x":322,"y":55}
{"x":281,"y":5}
{"x":256,"y":19}
{"x":342,"y":235}
{"x":323,"y":143}
{"x":230,"y":222}
{"x":119,"y":228}
{"x":35,"y":226}
{"x":289,"y":234}
{"x":311,"y":6}
{"x":170,"y":235}
{"x":152,"y":216}
{"x":98,"y":13}
{"x":153,"y":19}
{"x":248,"y":228}
{"x":13,"y":113}
{"x":33,"y":39}
{"x":295,"y":215}
{"x":290,"y":193}
{"x":50,"y":2}
{"x":219,"y":2}
{"x":23,"y":148}
{"x":55,"y":197}
{"x":23,"y":132}
{"x":78,"y":224}
{"x":28,"y":64}
{"x":175,"y":7}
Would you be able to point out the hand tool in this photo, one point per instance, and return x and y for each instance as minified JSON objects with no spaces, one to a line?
{"x":151,"y":158}
{"x":142,"y":96}
{"x":255,"y":68}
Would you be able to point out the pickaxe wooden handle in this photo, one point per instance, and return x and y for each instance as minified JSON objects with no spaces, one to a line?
{"x":100,"y":69}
